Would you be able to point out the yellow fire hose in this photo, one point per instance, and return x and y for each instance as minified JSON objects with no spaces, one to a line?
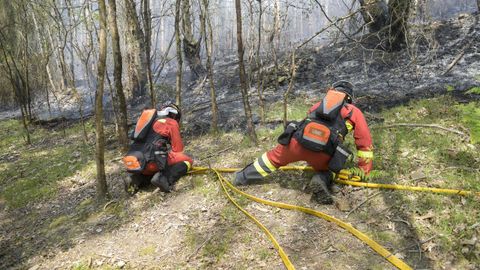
{"x":374,"y":245}
{"x":409,"y":188}
{"x":356,"y":183}
{"x":286,"y":261}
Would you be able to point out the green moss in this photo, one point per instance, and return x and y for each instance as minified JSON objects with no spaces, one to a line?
{"x":296,"y":109}
{"x":450,"y":88}
{"x":191,"y":238}
{"x":148,"y":250}
{"x":474,"y":90}
{"x":231,"y":214}
{"x":35,"y":172}
{"x":59,"y":222}
{"x":219,"y":245}
{"x":80,"y":266}
{"x":471,"y":118}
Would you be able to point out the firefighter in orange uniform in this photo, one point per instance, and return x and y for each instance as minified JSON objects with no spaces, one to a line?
{"x":160,"y":152}
{"x":318,"y":141}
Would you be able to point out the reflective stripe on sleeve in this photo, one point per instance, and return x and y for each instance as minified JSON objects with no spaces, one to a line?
{"x":365,"y":154}
{"x":349,"y":125}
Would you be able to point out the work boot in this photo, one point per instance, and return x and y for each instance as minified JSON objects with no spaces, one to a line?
{"x":175,"y":172}
{"x":161,"y":181}
{"x":240,"y":179}
{"x":133,"y":183}
{"x":320,"y":188}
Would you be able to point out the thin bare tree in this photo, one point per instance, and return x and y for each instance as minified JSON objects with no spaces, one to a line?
{"x":243,"y":78}
{"x":102,"y":189}
{"x":147,"y":25}
{"x":117,"y":73}
{"x":208,"y":41}
{"x":178,"y":83}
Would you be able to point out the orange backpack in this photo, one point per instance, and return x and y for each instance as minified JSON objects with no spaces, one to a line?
{"x":137,"y":156}
{"x":324,"y":128}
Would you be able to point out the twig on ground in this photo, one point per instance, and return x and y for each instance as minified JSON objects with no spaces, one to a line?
{"x":373,"y":116}
{"x":216,"y":153}
{"x":204,"y":107}
{"x":108,"y":204}
{"x":362,"y":203}
{"x":422,"y":125}
{"x":199,"y":247}
{"x":402,"y":221}
{"x":457,"y":58}
{"x":417,"y":244}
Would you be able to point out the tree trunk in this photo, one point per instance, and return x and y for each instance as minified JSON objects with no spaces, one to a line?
{"x":375,"y":14}
{"x":293,"y":73}
{"x":208,"y":40}
{"x":260,"y":64}
{"x":178,"y":83}
{"x":72,"y":78}
{"x":43,"y":51}
{"x":117,"y":73}
{"x":273,"y":40}
{"x":191,"y":46}
{"x":147,"y":24}
{"x":243,"y":79}
{"x":388,"y":21}
{"x":136,"y":52}
{"x":102,"y":189}
{"x":17,"y":92}
{"x":398,"y":23}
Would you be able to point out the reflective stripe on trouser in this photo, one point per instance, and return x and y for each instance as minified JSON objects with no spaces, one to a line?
{"x":260,"y":168}
{"x":365,"y":154}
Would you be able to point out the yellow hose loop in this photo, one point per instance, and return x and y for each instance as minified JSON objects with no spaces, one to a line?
{"x":286,"y":261}
{"x":358,"y":184}
{"x":410,"y":188}
{"x":363,"y":237}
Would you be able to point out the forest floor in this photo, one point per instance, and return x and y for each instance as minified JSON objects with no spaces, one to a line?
{"x":49,"y":218}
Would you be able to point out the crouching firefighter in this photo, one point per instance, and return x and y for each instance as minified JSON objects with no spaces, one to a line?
{"x":156,"y":154}
{"x":318,"y":140}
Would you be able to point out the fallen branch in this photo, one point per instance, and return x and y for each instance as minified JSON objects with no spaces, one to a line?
{"x":457,"y":58}
{"x":209,"y":105}
{"x":418,"y":244}
{"x":108,"y":204}
{"x":422,"y":125}
{"x":216,"y":153}
{"x":362,"y":203}
{"x":199,"y":247}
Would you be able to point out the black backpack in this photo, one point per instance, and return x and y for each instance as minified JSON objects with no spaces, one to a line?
{"x":145,"y":144}
{"x":324,"y":128}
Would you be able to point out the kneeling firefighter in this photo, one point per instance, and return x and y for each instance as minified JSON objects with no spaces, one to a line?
{"x":318,"y":140}
{"x":156,"y":154}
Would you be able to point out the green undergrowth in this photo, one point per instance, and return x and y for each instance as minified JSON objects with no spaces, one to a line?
{"x":432,"y":157}
{"x":414,"y":156}
{"x":30,"y":173}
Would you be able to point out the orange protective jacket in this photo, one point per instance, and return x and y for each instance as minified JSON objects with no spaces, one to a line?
{"x":169,"y":128}
{"x":355,"y":120}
